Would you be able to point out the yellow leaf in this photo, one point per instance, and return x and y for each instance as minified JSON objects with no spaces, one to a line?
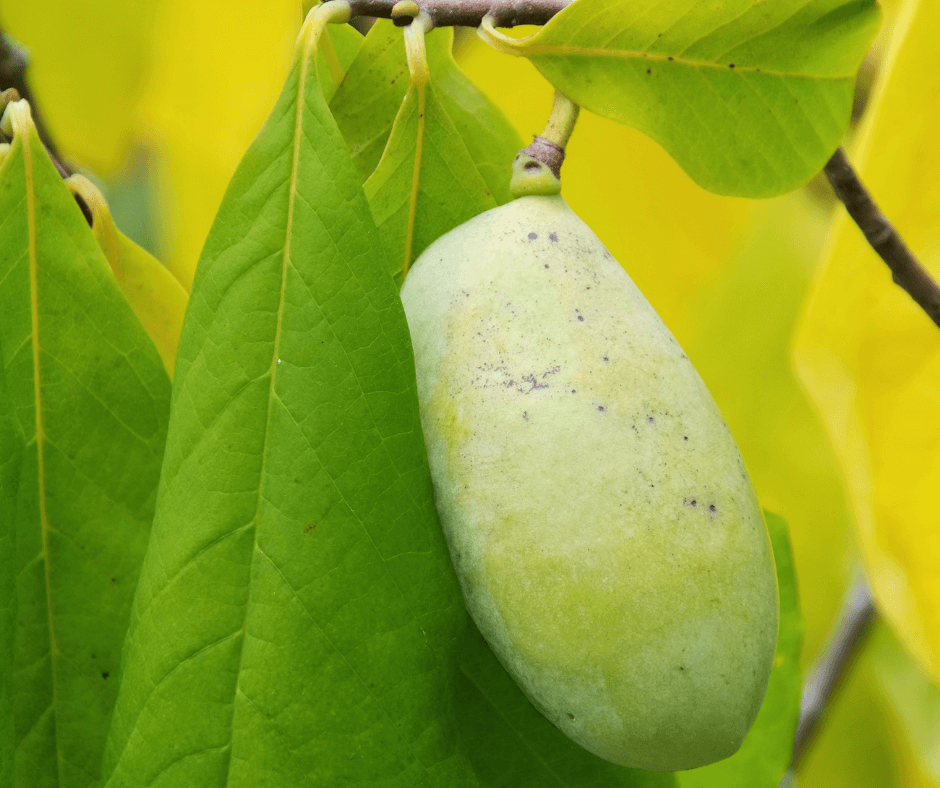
{"x":216,"y":72}
{"x":88,"y":65}
{"x":157,"y":299}
{"x":870,"y":358}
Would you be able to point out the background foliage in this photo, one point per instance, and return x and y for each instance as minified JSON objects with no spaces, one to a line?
{"x":161,"y":101}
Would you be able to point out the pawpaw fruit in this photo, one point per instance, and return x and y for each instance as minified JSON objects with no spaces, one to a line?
{"x":608,"y":541}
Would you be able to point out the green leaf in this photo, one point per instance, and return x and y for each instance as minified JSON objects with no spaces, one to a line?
{"x":763,"y":758}
{"x":372,"y":92}
{"x":11,"y":451}
{"x":491,"y":140}
{"x":510,"y":743}
{"x":340,"y":46}
{"x":91,"y":398}
{"x":749,"y":97}
{"x":435,"y":174}
{"x":367,"y":101}
{"x":297,"y":616}
{"x":155,"y":295}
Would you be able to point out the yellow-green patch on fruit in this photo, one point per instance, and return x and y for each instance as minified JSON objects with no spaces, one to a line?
{"x":606,"y":535}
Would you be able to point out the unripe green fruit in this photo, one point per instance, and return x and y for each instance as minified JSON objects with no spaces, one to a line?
{"x":606,"y":536}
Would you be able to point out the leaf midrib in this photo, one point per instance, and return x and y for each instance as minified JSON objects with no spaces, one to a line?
{"x":561,"y":49}
{"x":40,"y":432}
{"x":285,"y":260}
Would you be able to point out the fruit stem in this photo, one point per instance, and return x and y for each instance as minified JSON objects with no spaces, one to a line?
{"x":561,"y":121}
{"x":537,"y":168}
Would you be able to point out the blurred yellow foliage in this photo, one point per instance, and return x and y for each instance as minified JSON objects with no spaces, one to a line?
{"x":216,"y":72}
{"x":88,"y":65}
{"x":869,"y":356}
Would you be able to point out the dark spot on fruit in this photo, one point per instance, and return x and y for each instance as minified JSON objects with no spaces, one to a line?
{"x":670,"y":57}
{"x":574,"y":391}
{"x":731,"y":65}
{"x":533,"y":236}
{"x":685,"y":437}
{"x":525,"y":415}
{"x":606,"y":359}
{"x":712,"y":508}
{"x":649,"y":71}
{"x":600,"y":408}
{"x":546,"y":265}
{"x":681,"y":667}
{"x":570,"y":716}
{"x":693,"y":502}
{"x":553,"y":237}
{"x":309,"y":528}
{"x":105,"y":675}
{"x":580,"y":318}
{"x":651,"y":420}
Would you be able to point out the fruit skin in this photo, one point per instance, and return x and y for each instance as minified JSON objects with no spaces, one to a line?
{"x":608,"y":541}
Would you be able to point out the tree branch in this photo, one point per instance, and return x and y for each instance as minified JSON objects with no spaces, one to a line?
{"x":846,"y":641}
{"x":906,"y":270}
{"x":470,"y":13}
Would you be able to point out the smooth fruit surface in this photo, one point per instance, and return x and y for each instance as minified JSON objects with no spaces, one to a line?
{"x":607,"y":538}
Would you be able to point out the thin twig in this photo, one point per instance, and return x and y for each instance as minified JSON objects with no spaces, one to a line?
{"x":906,"y":270}
{"x":14,"y":60}
{"x":470,"y":13}
{"x":846,"y":641}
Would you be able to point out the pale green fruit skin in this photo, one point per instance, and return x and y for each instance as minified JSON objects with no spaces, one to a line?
{"x":608,"y":541}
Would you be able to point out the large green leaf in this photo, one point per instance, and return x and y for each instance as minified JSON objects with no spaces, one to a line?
{"x":426,"y":182}
{"x":91,"y":398}
{"x":341,"y":44}
{"x":765,"y":754}
{"x":11,"y":449}
{"x":750,"y":97}
{"x":491,"y":140}
{"x":367,"y":101}
{"x":297,"y":617}
{"x":371,"y":95}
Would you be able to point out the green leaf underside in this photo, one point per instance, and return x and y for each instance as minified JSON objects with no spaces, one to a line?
{"x":510,"y":743}
{"x":434,"y":175}
{"x":11,"y":448}
{"x":491,"y":140}
{"x":340,"y":47}
{"x":365,"y":104}
{"x":368,"y":101}
{"x":297,"y":615}
{"x":765,"y":754}
{"x":90,"y":397}
{"x":751,"y":98}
